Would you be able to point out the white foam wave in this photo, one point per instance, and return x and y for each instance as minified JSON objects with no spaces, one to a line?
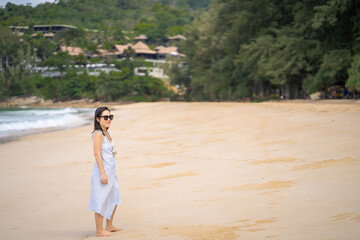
{"x":67,"y":120}
{"x":51,"y":112}
{"x":37,"y":112}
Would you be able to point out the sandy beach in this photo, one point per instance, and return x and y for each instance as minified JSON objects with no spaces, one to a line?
{"x":198,"y":171}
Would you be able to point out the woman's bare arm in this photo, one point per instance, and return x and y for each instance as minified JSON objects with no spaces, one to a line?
{"x":98,"y":138}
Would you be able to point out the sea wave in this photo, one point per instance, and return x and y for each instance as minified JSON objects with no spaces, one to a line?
{"x":21,"y":121}
{"x":63,"y":121}
{"x":36,"y":112}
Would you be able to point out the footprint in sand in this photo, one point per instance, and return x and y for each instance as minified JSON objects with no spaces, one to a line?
{"x":185,"y":174}
{"x":256,"y":226}
{"x":327,"y":163}
{"x":87,"y":236}
{"x":158,"y":165}
{"x":277,"y":160}
{"x":263,"y":186}
{"x":345,"y":216}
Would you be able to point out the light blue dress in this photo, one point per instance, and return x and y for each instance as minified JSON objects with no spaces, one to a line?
{"x":104,"y":197}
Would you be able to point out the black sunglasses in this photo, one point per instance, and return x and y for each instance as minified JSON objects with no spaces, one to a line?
{"x":106,"y":117}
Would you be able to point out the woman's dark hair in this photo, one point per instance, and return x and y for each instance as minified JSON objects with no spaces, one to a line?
{"x":98,"y":113}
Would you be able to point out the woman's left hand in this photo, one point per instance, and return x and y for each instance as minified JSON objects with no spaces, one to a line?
{"x":104,"y":179}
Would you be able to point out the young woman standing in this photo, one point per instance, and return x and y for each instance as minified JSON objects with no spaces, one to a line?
{"x":105,"y":194}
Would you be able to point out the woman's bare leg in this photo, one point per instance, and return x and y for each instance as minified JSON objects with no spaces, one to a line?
{"x":109,"y":223}
{"x":100,"y":232}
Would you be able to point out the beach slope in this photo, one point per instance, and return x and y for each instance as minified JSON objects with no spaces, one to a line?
{"x":201,"y":171}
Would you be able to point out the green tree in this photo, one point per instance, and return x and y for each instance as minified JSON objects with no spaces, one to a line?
{"x":61,"y":61}
{"x":15,"y":60}
{"x":9,"y":47}
{"x":145,"y":28}
{"x":175,"y":30}
{"x":353,"y":83}
{"x":179,"y":76}
{"x":80,"y":59}
{"x":333,"y":70}
{"x":71,"y":36}
{"x":44,"y":48}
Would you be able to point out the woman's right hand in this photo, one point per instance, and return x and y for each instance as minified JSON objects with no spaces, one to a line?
{"x":104,"y":178}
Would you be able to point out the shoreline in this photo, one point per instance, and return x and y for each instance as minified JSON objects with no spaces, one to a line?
{"x":116,"y":105}
{"x":19,"y":137}
{"x":36,"y":102}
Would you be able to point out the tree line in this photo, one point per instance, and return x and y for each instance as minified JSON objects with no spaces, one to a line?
{"x":264,"y":49}
{"x":236,"y":49}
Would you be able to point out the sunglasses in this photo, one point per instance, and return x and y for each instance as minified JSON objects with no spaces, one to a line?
{"x":106,"y":117}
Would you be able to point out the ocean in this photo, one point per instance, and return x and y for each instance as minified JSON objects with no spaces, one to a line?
{"x":17,"y":122}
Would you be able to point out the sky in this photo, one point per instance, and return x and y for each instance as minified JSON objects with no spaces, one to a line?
{"x":24,"y":2}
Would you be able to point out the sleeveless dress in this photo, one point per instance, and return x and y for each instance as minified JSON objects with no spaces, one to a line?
{"x":104,"y":197}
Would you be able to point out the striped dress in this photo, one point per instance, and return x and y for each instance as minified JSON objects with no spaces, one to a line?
{"x":104,"y":197}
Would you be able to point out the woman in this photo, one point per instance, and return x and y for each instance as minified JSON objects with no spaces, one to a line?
{"x":105,"y":194}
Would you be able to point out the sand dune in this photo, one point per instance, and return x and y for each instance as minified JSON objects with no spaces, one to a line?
{"x":201,"y":171}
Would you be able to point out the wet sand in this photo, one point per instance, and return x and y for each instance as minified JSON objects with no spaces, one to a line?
{"x":201,"y":171}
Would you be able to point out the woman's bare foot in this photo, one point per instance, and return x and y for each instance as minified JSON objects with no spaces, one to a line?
{"x":113,"y":229}
{"x":104,"y":233}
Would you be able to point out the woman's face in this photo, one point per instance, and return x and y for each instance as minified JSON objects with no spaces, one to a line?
{"x":104,"y":123}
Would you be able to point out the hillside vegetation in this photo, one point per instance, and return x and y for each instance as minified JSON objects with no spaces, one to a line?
{"x":99,"y":24}
{"x":235,"y":49}
{"x":151,"y":17}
